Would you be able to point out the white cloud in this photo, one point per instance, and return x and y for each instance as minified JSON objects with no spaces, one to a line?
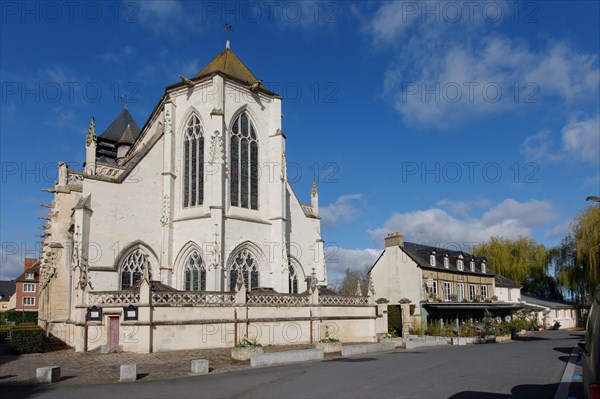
{"x":509,"y":219}
{"x":446,"y":73}
{"x":342,"y":210}
{"x":580,"y":143}
{"x":464,"y":208}
{"x":581,"y":139}
{"x":167,"y":17}
{"x":340,"y":259}
{"x":116,"y":57}
{"x":559,"y":231}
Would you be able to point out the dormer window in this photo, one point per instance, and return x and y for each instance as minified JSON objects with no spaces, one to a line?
{"x":483,"y":268}
{"x":29,"y":276}
{"x":473,"y":265}
{"x":446,"y":262}
{"x":459,"y":264}
{"x":432,"y":260}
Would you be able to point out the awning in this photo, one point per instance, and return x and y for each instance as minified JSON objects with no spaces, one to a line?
{"x":472,"y":306}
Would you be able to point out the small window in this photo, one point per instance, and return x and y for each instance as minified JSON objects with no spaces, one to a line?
{"x":28,"y":301}
{"x":472,"y":265}
{"x":509,"y":295}
{"x":433,"y":290}
{"x":446,"y":262}
{"x":483,"y":269}
{"x":472,"y":292}
{"x":447,"y":290}
{"x":29,"y":287}
{"x":459,"y":265}
{"x":432,"y":260}
{"x":29,"y":276}
{"x":484,"y":292}
{"x":460,"y":292}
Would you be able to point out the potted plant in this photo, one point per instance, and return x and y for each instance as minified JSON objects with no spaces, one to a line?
{"x":392,"y":336}
{"x":328,"y":343}
{"x":246,"y":348}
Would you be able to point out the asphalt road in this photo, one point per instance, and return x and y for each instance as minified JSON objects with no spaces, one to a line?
{"x":530,"y":369}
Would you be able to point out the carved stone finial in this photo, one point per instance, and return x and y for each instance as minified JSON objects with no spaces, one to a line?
{"x":313,"y":281}
{"x":358,"y":289}
{"x":91,"y":135}
{"x":314,"y":191}
{"x":371,"y":288}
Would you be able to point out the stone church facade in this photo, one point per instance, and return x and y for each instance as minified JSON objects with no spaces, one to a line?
{"x":184,"y":220}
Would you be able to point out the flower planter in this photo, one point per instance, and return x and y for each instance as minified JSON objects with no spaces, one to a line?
{"x":329,"y":347}
{"x":398,"y":342}
{"x":502,"y":338}
{"x":244,"y":353}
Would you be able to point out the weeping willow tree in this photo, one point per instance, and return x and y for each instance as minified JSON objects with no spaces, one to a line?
{"x":522,"y":260}
{"x":577,"y":258}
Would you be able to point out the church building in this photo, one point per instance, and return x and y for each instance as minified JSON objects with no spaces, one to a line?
{"x":196,"y":200}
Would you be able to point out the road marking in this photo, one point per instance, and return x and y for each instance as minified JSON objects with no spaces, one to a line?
{"x":563,"y":388}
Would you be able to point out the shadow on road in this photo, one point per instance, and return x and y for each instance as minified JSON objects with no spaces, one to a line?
{"x":526,"y":391}
{"x":353,"y":359}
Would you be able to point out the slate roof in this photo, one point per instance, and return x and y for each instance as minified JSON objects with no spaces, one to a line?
{"x":502,"y":281}
{"x":547,"y":302}
{"x":35,"y":269}
{"x":228,"y":64}
{"x":117,"y":128}
{"x":7,"y":289}
{"x":420,"y":253}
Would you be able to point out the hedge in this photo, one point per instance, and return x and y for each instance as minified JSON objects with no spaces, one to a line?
{"x":27,"y":338}
{"x":20,"y":317}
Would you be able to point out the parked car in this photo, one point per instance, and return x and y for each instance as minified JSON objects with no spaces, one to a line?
{"x":590,"y":359}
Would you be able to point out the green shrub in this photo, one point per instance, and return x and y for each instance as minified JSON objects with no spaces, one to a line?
{"x":26,"y":338}
{"x":503,"y":328}
{"x":416,"y":328}
{"x":434,"y":329}
{"x":467,"y":330}
{"x":447,"y":330}
{"x":20,"y":317}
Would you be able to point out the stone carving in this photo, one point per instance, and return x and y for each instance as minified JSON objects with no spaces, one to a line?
{"x":283,"y":176}
{"x":240,"y":280}
{"x":371,"y":288}
{"x":48,"y":265}
{"x":79,"y":262}
{"x":109,"y":171}
{"x":168,"y":121}
{"x":216,"y":149}
{"x":165,"y":219}
{"x":91,"y":135}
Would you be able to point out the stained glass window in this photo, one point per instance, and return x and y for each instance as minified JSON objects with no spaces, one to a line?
{"x":244,"y":263}
{"x":195,"y":273}
{"x":193,"y":175}
{"x":244,"y":163}
{"x":132,"y":268}
{"x":293,"y":280}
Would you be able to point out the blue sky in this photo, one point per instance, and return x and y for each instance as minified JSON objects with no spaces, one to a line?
{"x":449,"y":122}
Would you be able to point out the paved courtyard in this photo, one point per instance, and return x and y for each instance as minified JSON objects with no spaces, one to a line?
{"x":531,"y":367}
{"x":96,"y":368}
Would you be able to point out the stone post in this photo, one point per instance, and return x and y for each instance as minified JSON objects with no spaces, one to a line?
{"x":405,"y":309}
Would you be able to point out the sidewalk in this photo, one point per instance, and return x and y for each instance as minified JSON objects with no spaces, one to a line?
{"x":95,"y":368}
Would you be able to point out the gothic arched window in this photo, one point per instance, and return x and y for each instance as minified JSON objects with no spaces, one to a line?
{"x":244,"y":163}
{"x":133,"y":267}
{"x":195,"y":273}
{"x":293,"y":280}
{"x":245,"y":263}
{"x":193,"y":164}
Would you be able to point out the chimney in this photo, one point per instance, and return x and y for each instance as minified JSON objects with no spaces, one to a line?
{"x":28,"y":263}
{"x":394,"y":240}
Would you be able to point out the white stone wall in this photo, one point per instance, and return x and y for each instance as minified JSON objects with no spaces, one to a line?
{"x":396,"y":276}
{"x":503,"y":294}
{"x":131,"y":212}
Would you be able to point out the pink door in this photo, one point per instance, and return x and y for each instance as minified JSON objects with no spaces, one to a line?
{"x":113,"y":335}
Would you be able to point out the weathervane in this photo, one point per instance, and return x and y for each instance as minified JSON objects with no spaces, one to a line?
{"x":229,"y":29}
{"x":124,"y":99}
